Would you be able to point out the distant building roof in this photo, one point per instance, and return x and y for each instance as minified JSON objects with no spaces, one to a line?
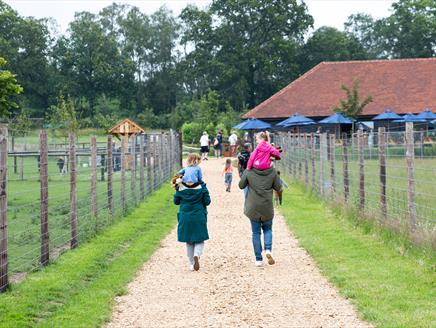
{"x":403,"y":85}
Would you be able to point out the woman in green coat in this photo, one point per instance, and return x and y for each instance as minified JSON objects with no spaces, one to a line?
{"x":192,"y":218}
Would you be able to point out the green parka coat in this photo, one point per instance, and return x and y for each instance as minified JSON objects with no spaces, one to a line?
{"x":192,"y":216}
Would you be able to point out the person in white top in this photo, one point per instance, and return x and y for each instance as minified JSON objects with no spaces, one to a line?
{"x":204,"y":143}
{"x":233,"y":140}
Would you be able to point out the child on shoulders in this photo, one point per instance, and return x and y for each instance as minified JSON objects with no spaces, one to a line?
{"x":192,"y":174}
{"x":260,"y":159}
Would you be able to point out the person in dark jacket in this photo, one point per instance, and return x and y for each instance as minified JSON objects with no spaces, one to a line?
{"x":192,"y":218}
{"x":259,"y":208}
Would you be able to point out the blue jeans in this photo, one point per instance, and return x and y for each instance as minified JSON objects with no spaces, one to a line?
{"x":256,"y":228}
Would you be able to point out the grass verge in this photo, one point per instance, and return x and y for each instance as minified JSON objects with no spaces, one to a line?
{"x":392,"y":283}
{"x":78,"y":289}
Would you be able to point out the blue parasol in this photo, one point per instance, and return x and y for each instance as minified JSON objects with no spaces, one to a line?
{"x":410,"y":118}
{"x":336,"y":118}
{"x":295,"y":120}
{"x":253,"y":124}
{"x":427,"y":115}
{"x":387,"y":115}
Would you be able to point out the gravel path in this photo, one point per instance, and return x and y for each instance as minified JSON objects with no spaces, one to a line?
{"x":229,"y":291}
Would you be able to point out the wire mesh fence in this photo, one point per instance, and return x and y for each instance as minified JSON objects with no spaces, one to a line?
{"x":386,"y":177}
{"x":54,"y":197}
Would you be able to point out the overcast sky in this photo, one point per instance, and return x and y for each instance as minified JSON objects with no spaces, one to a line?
{"x":325,"y":12}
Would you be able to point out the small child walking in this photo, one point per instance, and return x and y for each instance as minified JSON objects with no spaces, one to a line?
{"x":228,"y":174}
{"x":260,"y":159}
{"x":192,"y":221}
{"x":192,"y":175}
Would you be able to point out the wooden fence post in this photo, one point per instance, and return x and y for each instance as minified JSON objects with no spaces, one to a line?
{"x":94,"y":179}
{"x":312,"y":158}
{"x":3,"y":207}
{"x":382,"y":162}
{"x":322,"y":146}
{"x":300,"y":157}
{"x":148,"y":154}
{"x":410,"y":160}
{"x":21,"y":168}
{"x":306,"y":162}
{"x":345,"y":167}
{"x":124,"y":141}
{"x":361,"y":156}
{"x":133,"y":170}
{"x":109,"y":164}
{"x":180,"y":144}
{"x":43,"y":178}
{"x":73,"y":191}
{"x":332,"y":148}
{"x":141,"y":167}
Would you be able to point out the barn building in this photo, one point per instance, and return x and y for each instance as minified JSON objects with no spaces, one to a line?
{"x":402,"y":85}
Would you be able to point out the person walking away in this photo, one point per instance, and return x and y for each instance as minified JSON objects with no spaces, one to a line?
{"x":204,"y":144}
{"x":228,"y":174}
{"x":243,"y":157}
{"x":192,"y":221}
{"x":218,"y":144}
{"x":261,"y":157}
{"x":233,"y":140}
{"x":258,"y":207}
{"x":192,"y":174}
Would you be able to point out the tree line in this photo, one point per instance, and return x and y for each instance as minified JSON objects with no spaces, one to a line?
{"x":206,"y":66}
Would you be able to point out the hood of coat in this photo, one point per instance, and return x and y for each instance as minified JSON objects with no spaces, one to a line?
{"x":192,"y":195}
{"x":264,"y":172}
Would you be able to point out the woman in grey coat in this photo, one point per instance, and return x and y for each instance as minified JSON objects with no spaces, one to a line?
{"x":259,"y":208}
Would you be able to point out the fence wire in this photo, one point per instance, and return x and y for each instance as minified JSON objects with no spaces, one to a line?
{"x":109,"y":179}
{"x":386,"y":177}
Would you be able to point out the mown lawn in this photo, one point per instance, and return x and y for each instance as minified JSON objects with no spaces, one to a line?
{"x":78,"y":290}
{"x":24,"y":209}
{"x":392,"y":283}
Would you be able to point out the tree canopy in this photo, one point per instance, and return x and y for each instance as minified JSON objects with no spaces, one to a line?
{"x":162,"y":70}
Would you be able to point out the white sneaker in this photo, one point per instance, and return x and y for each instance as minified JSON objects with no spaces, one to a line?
{"x":268,"y":255}
{"x":191,"y":267}
{"x":258,"y":263}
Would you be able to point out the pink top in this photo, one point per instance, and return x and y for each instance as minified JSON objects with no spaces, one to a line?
{"x":228,"y":169}
{"x":261,"y":157}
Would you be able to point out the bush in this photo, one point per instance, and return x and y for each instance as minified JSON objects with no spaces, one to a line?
{"x":191,"y":132}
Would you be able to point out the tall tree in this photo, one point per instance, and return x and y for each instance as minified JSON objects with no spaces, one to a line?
{"x":330,"y":44}
{"x":8,"y":89}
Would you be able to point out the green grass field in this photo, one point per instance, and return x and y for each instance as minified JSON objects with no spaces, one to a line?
{"x":396,"y":189}
{"x":392,"y":283}
{"x":24,"y":210}
{"x":78,"y":290}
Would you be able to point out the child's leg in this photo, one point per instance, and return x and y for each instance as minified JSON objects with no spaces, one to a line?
{"x":190,"y":252}
{"x":198,"y":249}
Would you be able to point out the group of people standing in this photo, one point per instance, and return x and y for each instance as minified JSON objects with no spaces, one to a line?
{"x":217,"y":143}
{"x":258,"y":179}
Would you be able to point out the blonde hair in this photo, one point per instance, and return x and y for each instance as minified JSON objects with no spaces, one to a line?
{"x":264,"y":135}
{"x":193,"y":159}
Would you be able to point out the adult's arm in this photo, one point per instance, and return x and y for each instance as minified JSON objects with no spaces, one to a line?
{"x":243,"y":182}
{"x":206,"y":196}
{"x":177,"y":198}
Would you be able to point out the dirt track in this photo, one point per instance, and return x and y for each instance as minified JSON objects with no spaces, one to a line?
{"x":229,"y":291}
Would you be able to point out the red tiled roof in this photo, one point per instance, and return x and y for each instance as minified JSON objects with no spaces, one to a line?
{"x":402,"y":85}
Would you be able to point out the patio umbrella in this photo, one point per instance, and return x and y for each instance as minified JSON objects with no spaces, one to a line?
{"x":410,"y":118}
{"x":253,"y":124}
{"x":387,"y":115}
{"x":427,"y":115}
{"x":337,"y":119}
{"x":295,"y":120}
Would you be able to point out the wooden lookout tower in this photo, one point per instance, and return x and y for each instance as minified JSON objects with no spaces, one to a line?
{"x":123,"y":131}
